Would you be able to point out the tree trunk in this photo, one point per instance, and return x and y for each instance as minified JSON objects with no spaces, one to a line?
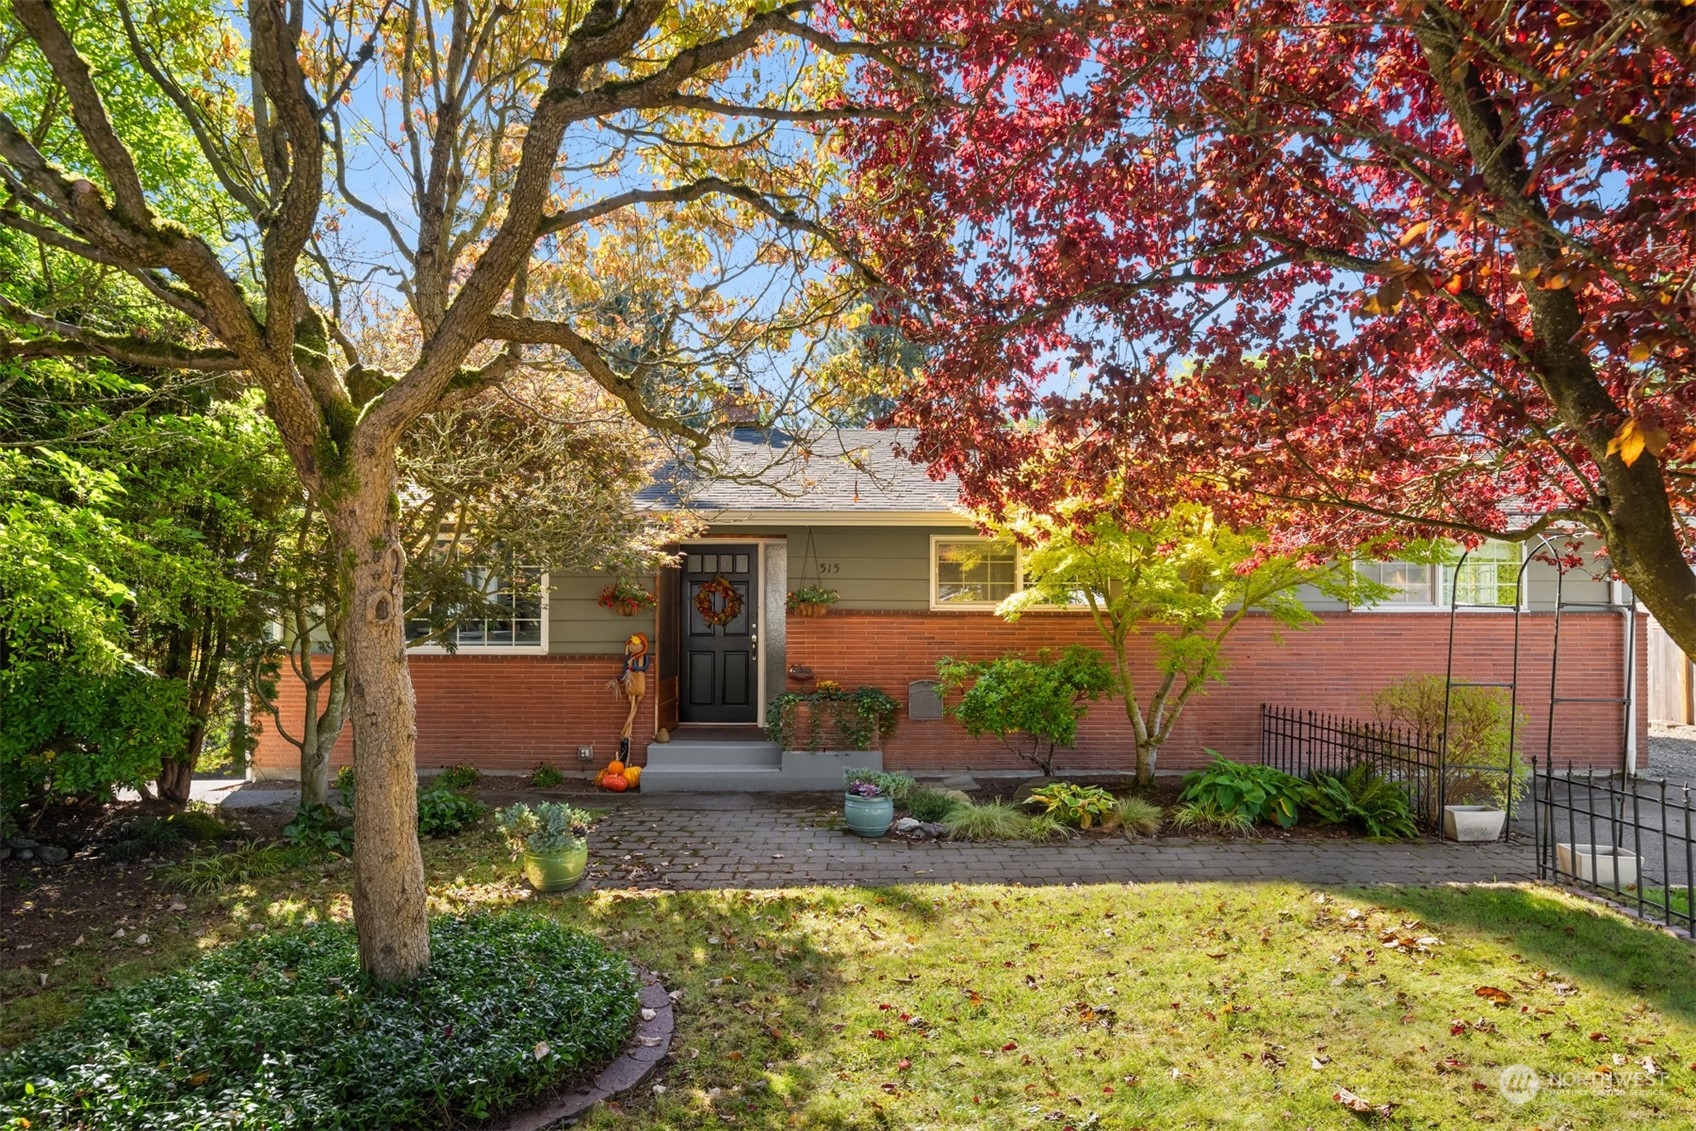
{"x":1147,"y":752}
{"x":176,"y":775}
{"x":388,"y":868}
{"x":321,"y":730}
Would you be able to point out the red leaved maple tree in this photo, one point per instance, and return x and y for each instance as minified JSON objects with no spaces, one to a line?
{"x":1356,"y":270}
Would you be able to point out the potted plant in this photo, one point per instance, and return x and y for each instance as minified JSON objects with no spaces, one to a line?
{"x":626,"y":598}
{"x":551,"y":838}
{"x":811,"y":600}
{"x":868,"y":807}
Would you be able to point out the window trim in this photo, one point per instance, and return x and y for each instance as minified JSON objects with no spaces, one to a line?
{"x":545,"y":584}
{"x":972,"y":606}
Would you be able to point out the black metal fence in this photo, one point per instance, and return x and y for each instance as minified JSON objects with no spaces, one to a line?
{"x":1307,"y":742}
{"x":1627,"y":838}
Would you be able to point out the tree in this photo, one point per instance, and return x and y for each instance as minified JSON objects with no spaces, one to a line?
{"x":1422,"y":265}
{"x":1185,"y":576}
{"x":497,"y":171}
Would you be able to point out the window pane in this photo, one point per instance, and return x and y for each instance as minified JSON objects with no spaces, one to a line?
{"x":695,"y":563}
{"x":1410,"y":582}
{"x":975,"y":572}
{"x":741,"y":563}
{"x":527,"y":632}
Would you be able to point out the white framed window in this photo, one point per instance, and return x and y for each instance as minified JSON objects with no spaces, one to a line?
{"x":1490,"y":575}
{"x":1488,"y":579}
{"x":972,"y":573}
{"x":514,"y":616}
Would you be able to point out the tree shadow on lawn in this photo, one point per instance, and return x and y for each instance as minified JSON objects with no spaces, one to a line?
{"x":1563,"y":932}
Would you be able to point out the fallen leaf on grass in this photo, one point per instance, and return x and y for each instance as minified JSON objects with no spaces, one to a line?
{"x":1494,"y":996}
{"x":1361,"y":1106}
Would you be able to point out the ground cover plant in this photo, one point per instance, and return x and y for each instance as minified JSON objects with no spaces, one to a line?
{"x":283,"y":1031}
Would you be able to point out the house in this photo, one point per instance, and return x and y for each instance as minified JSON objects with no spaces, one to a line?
{"x":916,"y":583}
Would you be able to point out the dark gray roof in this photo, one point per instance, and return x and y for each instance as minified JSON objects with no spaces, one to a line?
{"x":844,"y":469}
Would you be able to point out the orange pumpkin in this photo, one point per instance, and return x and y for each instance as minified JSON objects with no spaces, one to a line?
{"x":615,"y":767}
{"x":615,"y":782}
{"x":633,"y":775}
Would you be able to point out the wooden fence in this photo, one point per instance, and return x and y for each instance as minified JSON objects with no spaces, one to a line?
{"x":1672,"y":680}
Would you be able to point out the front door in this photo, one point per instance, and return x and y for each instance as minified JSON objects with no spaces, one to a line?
{"x":719,"y":675}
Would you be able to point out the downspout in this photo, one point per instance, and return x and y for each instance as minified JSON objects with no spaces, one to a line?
{"x":1627,"y":601}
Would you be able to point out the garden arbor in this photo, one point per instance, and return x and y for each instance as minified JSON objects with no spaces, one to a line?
{"x":491,"y":177}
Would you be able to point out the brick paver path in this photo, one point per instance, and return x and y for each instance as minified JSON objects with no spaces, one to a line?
{"x":763,"y":841}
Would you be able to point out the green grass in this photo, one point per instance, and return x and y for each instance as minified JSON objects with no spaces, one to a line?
{"x":1157,"y":1005}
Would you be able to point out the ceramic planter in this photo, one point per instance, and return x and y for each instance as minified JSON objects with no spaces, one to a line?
{"x":1598,"y":863}
{"x":1473,"y":822}
{"x":556,"y":871}
{"x":868,"y":816}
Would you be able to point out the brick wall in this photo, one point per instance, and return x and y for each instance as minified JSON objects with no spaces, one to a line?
{"x":1334,"y":666}
{"x":511,"y":712}
{"x":501,"y":713}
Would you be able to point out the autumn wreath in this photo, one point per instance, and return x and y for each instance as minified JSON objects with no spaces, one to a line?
{"x":709,"y":596}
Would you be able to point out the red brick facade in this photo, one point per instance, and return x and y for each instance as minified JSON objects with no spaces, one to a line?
{"x":1334,"y":666}
{"x":501,"y":713}
{"x":509,"y":712}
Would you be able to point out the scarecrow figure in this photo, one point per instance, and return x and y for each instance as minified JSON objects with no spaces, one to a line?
{"x":632,"y":683}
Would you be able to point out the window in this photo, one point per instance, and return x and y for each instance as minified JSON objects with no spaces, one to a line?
{"x":968,"y":573}
{"x":511,"y":616}
{"x":1490,"y":575}
{"x":1411,"y":584}
{"x":1488,"y":579}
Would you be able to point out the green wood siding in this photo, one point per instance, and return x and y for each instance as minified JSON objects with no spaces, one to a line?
{"x":576,"y":624}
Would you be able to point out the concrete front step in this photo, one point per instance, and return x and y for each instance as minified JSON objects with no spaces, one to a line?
{"x":754,"y":755}
{"x":740,"y":768}
{"x":708,"y":778}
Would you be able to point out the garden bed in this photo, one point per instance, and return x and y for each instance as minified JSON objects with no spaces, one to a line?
{"x":283,"y":1031}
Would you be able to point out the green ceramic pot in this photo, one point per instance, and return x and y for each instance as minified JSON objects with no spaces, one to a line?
{"x":868,"y":816}
{"x":556,"y":871}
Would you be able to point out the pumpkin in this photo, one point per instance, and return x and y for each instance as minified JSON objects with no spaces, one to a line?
{"x":615,"y":782}
{"x":615,"y":767}
{"x":633,"y":775}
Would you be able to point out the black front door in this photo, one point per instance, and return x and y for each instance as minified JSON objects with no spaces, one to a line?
{"x":719,"y":675}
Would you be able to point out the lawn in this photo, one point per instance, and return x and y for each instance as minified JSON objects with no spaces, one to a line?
{"x":1158,"y":1005}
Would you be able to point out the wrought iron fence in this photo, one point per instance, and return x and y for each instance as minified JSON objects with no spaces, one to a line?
{"x":1627,"y":838}
{"x":1308,"y":742}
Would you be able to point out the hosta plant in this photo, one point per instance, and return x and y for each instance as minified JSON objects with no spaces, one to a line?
{"x":1251,"y":793}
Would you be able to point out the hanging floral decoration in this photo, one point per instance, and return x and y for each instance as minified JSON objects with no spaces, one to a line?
{"x":718,"y":602}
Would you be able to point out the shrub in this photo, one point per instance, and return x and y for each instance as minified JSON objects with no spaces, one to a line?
{"x":545,"y":776}
{"x":67,"y":734}
{"x":1475,"y":762}
{"x":343,"y":785}
{"x":285,"y":1032}
{"x":1227,"y":794}
{"x":147,"y":836}
{"x":1033,"y":706}
{"x":1134,"y":815}
{"x":992,"y":820}
{"x":546,"y":827}
{"x":1080,"y":805}
{"x":834,"y":718}
{"x":320,"y":830}
{"x":462,"y":776}
{"x":931,"y":805}
{"x":201,"y":875}
{"x":1361,"y":799}
{"x":442,"y":812}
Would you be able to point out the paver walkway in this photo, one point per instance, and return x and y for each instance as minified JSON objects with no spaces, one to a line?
{"x":706,"y":841}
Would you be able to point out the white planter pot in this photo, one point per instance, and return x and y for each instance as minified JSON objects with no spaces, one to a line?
{"x":1473,"y":822}
{"x":1598,"y":863}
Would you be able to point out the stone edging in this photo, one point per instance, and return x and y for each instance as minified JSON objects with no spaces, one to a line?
{"x":635,"y":1064}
